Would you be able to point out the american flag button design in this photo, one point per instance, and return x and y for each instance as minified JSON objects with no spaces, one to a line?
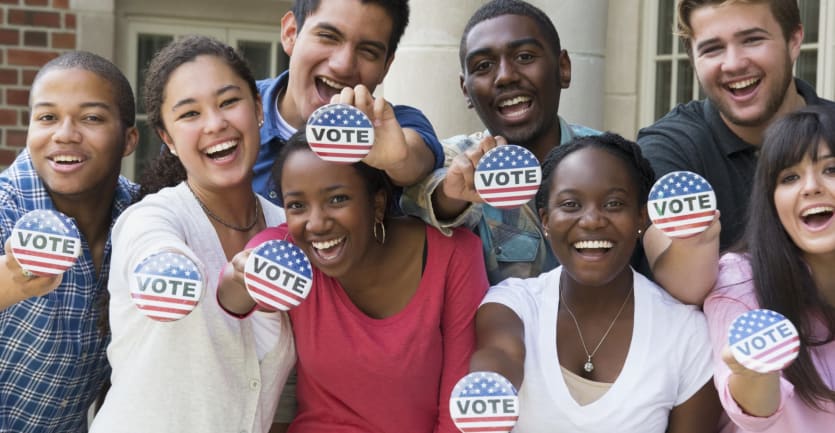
{"x":166,"y":286}
{"x":681,"y":204}
{"x":340,"y":133}
{"x":483,"y":402}
{"x":508,"y":176}
{"x":763,"y":340}
{"x":45,"y":242}
{"x":278,"y":275}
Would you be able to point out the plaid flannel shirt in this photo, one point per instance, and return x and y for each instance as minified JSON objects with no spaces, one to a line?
{"x":52,"y":353}
{"x":512,"y":239}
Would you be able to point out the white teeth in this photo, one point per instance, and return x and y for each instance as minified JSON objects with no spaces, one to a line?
{"x":593,"y":244}
{"x":66,"y":158}
{"x":742,"y":84}
{"x":331,"y":83}
{"x":221,"y":147}
{"x":817,"y":210}
{"x":327,"y":244}
{"x":514,"y":101}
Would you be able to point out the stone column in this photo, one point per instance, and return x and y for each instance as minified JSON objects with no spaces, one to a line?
{"x":96,"y":26}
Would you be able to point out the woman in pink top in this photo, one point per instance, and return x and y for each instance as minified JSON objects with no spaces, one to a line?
{"x":786,"y":264}
{"x":387,"y":329}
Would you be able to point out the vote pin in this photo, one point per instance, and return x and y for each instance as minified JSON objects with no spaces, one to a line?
{"x":166,"y":286}
{"x":278,"y":275}
{"x":681,"y":204}
{"x":482,"y":402}
{"x":340,"y":133}
{"x":45,"y":242}
{"x":507,"y":176}
{"x":763,"y":340}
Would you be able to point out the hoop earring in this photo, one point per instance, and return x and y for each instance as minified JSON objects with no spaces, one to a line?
{"x":380,"y":236}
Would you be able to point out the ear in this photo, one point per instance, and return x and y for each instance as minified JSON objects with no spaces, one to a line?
{"x":259,"y":109}
{"x":543,"y":218}
{"x":289,"y":31}
{"x":643,"y":219}
{"x":131,"y":140}
{"x":163,"y":135}
{"x":565,"y":69}
{"x":794,"y":42}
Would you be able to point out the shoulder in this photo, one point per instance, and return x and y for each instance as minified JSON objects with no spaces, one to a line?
{"x":683,"y":120}
{"x":735,"y":280}
{"x":660,"y":298}
{"x":581,"y":130}
{"x":267,"y":84}
{"x":530,"y":289}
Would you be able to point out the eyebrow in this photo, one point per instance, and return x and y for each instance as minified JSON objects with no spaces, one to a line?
{"x":330,"y":27}
{"x":512,"y":45}
{"x":82,"y":105}
{"x":221,"y":91}
{"x":326,"y":189}
{"x":741,"y":33}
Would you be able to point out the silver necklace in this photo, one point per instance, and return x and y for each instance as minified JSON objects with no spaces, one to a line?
{"x":589,"y":366}
{"x":211,"y":214}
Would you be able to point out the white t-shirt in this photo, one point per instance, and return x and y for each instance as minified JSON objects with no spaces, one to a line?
{"x":207,"y":372}
{"x":669,"y":360}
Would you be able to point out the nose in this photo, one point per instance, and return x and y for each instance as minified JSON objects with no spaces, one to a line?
{"x":592,"y":219}
{"x":343,"y":61}
{"x":318,"y":221}
{"x":505,"y":72}
{"x":215,"y":121}
{"x":811,"y":185}
{"x":66,"y":132}
{"x":735,"y":60}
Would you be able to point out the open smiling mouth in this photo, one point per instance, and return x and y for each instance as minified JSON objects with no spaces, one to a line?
{"x":744,"y":87}
{"x":66,"y":159}
{"x":222,"y":149}
{"x":327,"y":87}
{"x":817,"y":217}
{"x":515,"y":107}
{"x":328,"y":250}
{"x":593,"y":247}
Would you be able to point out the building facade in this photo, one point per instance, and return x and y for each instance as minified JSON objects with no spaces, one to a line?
{"x":628,"y":68}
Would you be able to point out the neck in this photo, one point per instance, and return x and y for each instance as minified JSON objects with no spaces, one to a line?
{"x":91,"y":217}
{"x":754,"y":134}
{"x":592,"y":299}
{"x":545,"y":142}
{"x":288,"y":109}
{"x":234,"y":205}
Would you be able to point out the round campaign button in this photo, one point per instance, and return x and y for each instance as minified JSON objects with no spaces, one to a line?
{"x":507,"y":176}
{"x":45,"y":242}
{"x":484,"y":401}
{"x":340,"y":133}
{"x":166,"y":286}
{"x":763,"y":340}
{"x":278,"y":275}
{"x":681,"y":204}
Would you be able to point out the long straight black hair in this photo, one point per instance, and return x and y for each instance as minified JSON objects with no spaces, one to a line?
{"x":782,"y":278}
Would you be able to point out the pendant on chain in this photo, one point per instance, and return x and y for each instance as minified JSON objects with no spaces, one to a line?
{"x":588,"y":366}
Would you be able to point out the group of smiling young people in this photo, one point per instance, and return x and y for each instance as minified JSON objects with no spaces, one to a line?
{"x":403,"y":249}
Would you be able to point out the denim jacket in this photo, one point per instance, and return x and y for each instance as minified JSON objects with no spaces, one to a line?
{"x":513,"y":241}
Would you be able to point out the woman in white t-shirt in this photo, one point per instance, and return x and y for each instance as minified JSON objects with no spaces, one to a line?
{"x":595,"y":346}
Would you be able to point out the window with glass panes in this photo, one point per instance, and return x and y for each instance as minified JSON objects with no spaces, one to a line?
{"x":674,"y":79}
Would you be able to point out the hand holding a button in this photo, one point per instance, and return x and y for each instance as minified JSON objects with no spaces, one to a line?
{"x":18,"y":283}
{"x":231,"y":291}
{"x":390,"y":151}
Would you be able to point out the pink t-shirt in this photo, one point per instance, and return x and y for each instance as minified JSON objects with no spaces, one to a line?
{"x":733,"y":295}
{"x":360,"y":374}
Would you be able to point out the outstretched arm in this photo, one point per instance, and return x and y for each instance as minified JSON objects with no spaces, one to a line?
{"x":500,"y":343}
{"x":686,"y":267}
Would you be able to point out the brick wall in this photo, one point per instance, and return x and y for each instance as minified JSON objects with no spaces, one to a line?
{"x":31,"y":33}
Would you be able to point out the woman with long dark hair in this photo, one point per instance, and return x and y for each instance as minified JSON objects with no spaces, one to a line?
{"x":786,"y":264}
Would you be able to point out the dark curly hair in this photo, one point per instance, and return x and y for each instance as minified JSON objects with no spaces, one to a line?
{"x":639,"y":168}
{"x":166,"y":169}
